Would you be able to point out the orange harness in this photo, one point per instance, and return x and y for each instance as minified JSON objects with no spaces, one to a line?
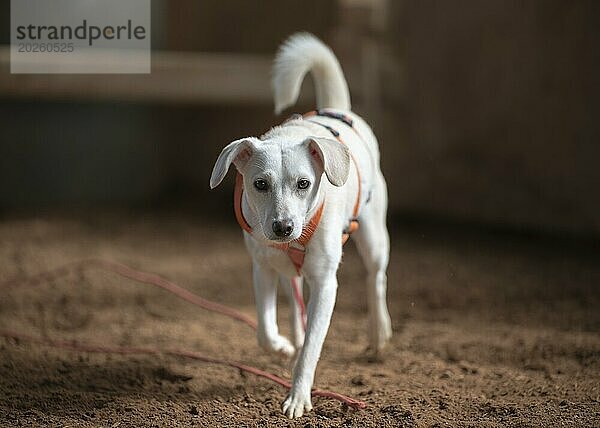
{"x":296,"y":249}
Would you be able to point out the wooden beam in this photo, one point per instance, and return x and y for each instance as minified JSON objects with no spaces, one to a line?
{"x":177,"y":77}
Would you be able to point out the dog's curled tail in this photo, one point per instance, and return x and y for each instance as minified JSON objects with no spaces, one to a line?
{"x":303,"y":53}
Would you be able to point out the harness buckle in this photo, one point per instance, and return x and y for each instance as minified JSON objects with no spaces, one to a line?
{"x":352,"y":227}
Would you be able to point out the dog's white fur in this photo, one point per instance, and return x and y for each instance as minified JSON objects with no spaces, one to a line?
{"x":301,"y":149}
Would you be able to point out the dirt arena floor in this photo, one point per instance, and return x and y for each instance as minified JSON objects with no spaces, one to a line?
{"x":489,"y":330}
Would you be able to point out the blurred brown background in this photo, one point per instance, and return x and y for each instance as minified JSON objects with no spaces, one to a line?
{"x":487,"y":112}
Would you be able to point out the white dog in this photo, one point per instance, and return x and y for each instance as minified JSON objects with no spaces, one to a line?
{"x":302,"y":188}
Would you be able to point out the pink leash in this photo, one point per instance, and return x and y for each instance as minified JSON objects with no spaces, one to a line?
{"x":299,"y":300}
{"x":148,"y":278}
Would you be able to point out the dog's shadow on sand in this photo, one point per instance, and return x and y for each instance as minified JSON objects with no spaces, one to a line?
{"x":40,"y":384}
{"x":366,"y":356}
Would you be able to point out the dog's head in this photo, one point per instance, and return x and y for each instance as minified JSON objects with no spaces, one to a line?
{"x":282,"y":179}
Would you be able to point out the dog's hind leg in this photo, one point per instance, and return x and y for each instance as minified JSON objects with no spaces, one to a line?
{"x":373,"y":244}
{"x":265,"y":291}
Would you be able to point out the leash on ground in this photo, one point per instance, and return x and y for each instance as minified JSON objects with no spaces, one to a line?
{"x":152,"y":279}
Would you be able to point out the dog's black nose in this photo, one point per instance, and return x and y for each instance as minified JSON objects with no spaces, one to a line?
{"x":283,"y":227}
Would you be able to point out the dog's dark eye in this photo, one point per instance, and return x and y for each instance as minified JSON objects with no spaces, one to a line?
{"x":303,"y":183}
{"x":261,"y":185}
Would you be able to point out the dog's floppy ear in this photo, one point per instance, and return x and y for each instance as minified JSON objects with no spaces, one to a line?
{"x":334,"y":156}
{"x":237,"y":152}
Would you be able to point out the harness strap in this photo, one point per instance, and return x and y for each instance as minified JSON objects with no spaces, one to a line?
{"x":347,"y":120}
{"x":237,"y":203}
{"x":353,"y":225}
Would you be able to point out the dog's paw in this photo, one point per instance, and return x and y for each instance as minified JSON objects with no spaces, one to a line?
{"x":299,"y":339}
{"x":277,"y":345}
{"x":380,"y":334}
{"x":296,"y":404}
{"x":386,"y":330}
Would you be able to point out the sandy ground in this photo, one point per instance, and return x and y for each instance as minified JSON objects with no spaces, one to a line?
{"x":490,"y":331}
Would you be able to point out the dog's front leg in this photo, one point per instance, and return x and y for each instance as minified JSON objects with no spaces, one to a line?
{"x":265,"y":291}
{"x":320,"y":307}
